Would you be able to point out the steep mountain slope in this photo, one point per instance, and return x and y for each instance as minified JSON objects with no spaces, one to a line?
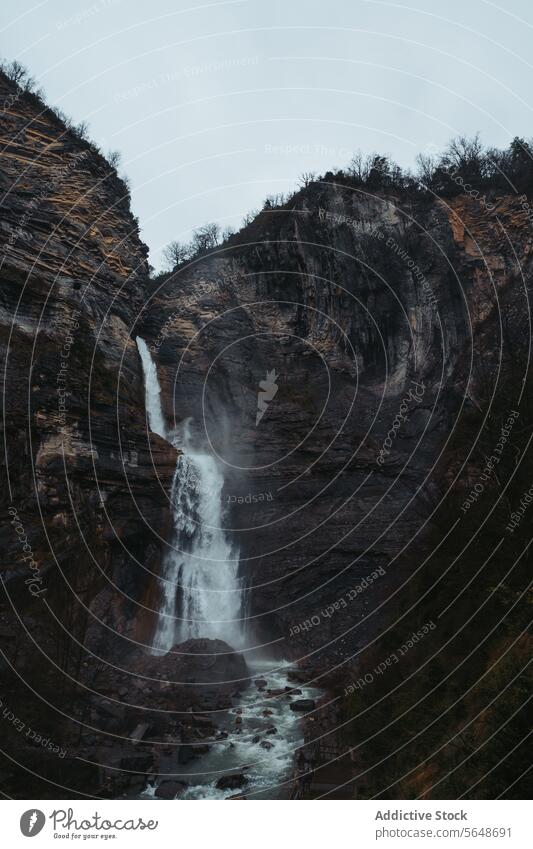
{"x":85,"y":492}
{"x":388,"y":336}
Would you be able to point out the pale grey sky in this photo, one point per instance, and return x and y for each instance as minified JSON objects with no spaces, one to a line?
{"x":215,"y":105}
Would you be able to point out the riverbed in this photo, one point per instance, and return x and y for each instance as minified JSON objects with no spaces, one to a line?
{"x":263,"y":734}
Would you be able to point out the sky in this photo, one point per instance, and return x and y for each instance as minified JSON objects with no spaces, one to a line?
{"x":216,"y":105}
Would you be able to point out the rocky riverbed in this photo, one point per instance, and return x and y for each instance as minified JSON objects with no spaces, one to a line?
{"x":250,"y":747}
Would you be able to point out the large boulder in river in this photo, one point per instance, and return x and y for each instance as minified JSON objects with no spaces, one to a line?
{"x":194,"y":670}
{"x":232,"y":782}
{"x":202,"y":661}
{"x":303,"y":705}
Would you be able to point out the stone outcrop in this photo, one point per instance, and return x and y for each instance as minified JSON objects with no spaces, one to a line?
{"x":367,"y":308}
{"x":85,"y":487}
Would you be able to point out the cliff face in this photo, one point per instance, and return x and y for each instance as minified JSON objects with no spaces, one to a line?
{"x":85,"y":493}
{"x":368,"y":309}
{"x":384,"y":342}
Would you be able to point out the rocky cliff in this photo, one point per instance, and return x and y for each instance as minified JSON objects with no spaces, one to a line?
{"x":382,"y":338}
{"x":368,"y":309}
{"x":85,"y":490}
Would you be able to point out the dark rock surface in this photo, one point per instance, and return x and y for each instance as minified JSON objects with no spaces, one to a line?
{"x":86,"y":486}
{"x":303,"y":705}
{"x":324,"y":294}
{"x":231,"y":782}
{"x":169,"y":789}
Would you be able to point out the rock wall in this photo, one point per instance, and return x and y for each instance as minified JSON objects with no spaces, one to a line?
{"x":369,"y":309}
{"x":85,"y":490}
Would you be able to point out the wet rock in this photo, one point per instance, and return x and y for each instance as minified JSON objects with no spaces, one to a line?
{"x":256,"y":739}
{"x":297,"y":675}
{"x":201,"y":749}
{"x":271,"y":730}
{"x":303,"y":705}
{"x":203,"y":722}
{"x":138,"y":763}
{"x":260,"y":682}
{"x":211,"y":666}
{"x":232,"y":782}
{"x":266,"y":744}
{"x":185,"y":754}
{"x":169,"y":789}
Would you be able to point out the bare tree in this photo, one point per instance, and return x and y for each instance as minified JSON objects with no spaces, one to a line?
{"x":359,"y":166}
{"x":466,"y":158}
{"x":425,"y":168}
{"x":175,"y":253}
{"x":18,"y":74}
{"x":249,"y":217}
{"x":114,"y":157}
{"x":205,"y":238}
{"x":306,"y":179}
{"x":81,"y":130}
{"x":227,"y":232}
{"x":274,"y":201}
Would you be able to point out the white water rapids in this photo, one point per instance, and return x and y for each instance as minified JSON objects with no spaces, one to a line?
{"x":202,"y":567}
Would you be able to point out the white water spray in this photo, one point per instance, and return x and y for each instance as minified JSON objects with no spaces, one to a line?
{"x":202,"y":567}
{"x":152,"y":390}
{"x":203,"y":562}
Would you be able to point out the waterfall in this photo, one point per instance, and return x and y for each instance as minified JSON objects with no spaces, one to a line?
{"x":202,"y":567}
{"x":152,"y":390}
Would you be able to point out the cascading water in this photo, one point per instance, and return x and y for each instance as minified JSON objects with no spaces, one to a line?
{"x":203,"y":560}
{"x":202,"y":566}
{"x":152,"y":389}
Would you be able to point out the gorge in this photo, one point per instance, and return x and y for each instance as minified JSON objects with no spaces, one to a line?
{"x":235,"y":559}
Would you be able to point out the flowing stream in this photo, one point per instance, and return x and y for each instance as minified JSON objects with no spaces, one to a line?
{"x":261,"y":747}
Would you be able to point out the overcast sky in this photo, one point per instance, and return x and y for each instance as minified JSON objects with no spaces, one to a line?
{"x":216,"y":105}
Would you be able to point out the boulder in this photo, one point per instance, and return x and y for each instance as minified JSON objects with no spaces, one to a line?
{"x":169,"y":789}
{"x":185,"y":754}
{"x":302,"y":705}
{"x":232,"y":782}
{"x":297,"y":675}
{"x":206,"y":664}
{"x":140,"y":764}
